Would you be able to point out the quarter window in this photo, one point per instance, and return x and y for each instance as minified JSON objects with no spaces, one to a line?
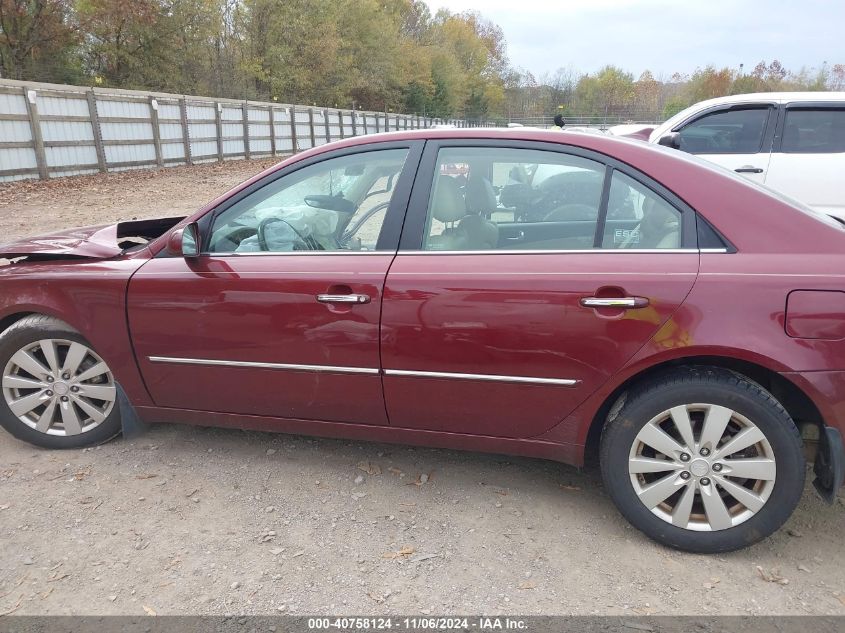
{"x":726,"y":132}
{"x":814,"y":131}
{"x":336,"y":205}
{"x":658,"y":223}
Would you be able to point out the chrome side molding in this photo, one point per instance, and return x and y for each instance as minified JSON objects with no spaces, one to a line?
{"x":562,"y":382}
{"x":254,"y":365}
{"x":332,"y":369}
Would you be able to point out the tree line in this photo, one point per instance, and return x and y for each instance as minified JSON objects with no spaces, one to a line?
{"x":392,"y":55}
{"x":612,"y":92}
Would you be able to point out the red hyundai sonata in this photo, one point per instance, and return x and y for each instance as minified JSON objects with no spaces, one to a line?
{"x":560,"y":292}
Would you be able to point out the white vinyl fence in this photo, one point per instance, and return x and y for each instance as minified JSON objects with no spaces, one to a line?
{"x":49,"y":130}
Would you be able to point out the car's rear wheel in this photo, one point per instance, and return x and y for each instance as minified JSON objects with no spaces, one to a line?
{"x":703,"y":460}
{"x":57,"y":392}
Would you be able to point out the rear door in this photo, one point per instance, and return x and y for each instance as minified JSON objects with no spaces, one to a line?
{"x":279,"y":316}
{"x":587,"y":263}
{"x":809,"y":156}
{"x":738,"y":137}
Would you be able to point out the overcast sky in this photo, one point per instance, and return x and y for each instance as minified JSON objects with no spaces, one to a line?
{"x":664,"y":36}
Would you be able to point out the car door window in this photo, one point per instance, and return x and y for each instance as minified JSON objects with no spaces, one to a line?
{"x":658,"y":223}
{"x":507,"y":198}
{"x":726,"y":132}
{"x":336,"y":205}
{"x":816,"y":131}
{"x":527,"y":200}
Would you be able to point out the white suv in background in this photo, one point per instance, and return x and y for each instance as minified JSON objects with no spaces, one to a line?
{"x":793,"y":142}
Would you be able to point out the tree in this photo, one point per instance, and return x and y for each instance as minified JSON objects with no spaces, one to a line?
{"x":37,"y":38}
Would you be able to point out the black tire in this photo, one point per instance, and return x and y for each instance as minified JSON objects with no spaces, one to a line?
{"x":711,"y":386}
{"x":29,"y":330}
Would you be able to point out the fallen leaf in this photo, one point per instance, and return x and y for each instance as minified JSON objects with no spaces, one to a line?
{"x":421,"y":480}
{"x":527,"y":585}
{"x":395,"y":471}
{"x":842,"y":598}
{"x":147,"y":476}
{"x":773,"y":576}
{"x":149,"y":610}
{"x":504,"y":493}
{"x":402,"y":553}
{"x":369,"y":468}
{"x":80,"y":475}
{"x":567,"y":487}
{"x":375,"y":596}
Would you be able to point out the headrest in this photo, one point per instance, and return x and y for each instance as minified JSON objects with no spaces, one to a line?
{"x":447,"y":203}
{"x":480,"y":195}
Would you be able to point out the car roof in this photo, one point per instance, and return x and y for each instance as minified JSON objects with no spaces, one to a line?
{"x":774,"y":97}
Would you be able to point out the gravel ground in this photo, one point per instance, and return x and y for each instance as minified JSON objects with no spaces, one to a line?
{"x":186,"y":520}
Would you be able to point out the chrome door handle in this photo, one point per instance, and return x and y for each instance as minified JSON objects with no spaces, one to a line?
{"x":614,"y":302}
{"x":748,"y":169}
{"x":343,"y":298}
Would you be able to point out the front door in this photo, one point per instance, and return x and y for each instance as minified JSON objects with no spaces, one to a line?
{"x":738,"y":138}
{"x":535,"y":276}
{"x":279,"y":316}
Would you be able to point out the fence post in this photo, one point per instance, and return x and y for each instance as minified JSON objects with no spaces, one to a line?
{"x":95,"y":128}
{"x":218,"y":124}
{"x":327,"y":126}
{"x":245,"y":120}
{"x":354,"y":123}
{"x":311,"y":126}
{"x":340,"y":116}
{"x":35,"y":126}
{"x":293,"y":129}
{"x":186,"y":140}
{"x":378,"y":117}
{"x":272,"y":131}
{"x":153,"y":124}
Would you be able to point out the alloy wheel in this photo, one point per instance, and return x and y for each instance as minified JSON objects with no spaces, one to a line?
{"x":59,"y":387}
{"x":702,"y":467}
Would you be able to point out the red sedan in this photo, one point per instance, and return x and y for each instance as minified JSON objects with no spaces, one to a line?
{"x":571,"y":297}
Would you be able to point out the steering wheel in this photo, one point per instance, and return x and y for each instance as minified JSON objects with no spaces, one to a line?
{"x":262,"y":238}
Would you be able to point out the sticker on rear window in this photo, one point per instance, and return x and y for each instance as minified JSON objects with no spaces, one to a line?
{"x":626,"y":236}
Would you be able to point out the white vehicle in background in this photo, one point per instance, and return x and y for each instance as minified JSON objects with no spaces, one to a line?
{"x":793,"y":142}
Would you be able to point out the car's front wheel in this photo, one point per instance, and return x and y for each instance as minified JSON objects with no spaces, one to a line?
{"x":57,"y":392}
{"x":703,"y":460}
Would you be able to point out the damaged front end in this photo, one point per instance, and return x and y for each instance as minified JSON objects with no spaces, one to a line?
{"x":96,"y":242}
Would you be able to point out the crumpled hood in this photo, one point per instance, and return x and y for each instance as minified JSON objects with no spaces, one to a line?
{"x":92,"y":242}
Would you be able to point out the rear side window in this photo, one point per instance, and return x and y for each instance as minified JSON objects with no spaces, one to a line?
{"x":726,"y":132}
{"x":490,"y":198}
{"x":815,"y":131}
{"x":486,"y":198}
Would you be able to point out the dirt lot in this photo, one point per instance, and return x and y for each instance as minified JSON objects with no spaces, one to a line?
{"x":190,"y":520}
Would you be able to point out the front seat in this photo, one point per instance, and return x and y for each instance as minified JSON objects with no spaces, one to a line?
{"x":479,"y":232}
{"x":447,"y":206}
